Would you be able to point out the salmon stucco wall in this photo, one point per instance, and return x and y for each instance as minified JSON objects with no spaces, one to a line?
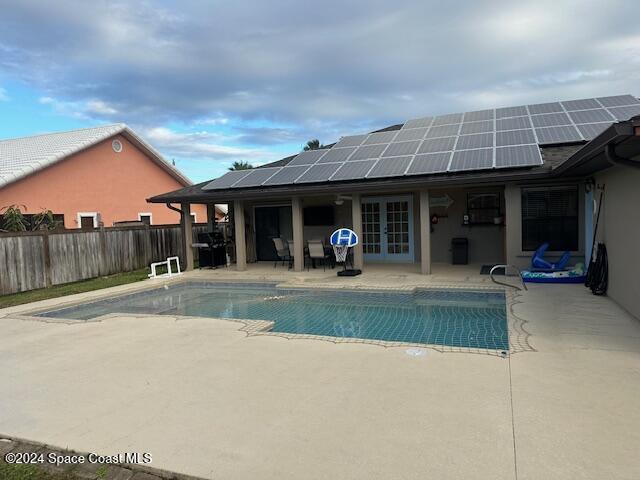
{"x":115,"y":185}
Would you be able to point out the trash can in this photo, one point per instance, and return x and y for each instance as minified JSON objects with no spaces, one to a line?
{"x":460,"y":251}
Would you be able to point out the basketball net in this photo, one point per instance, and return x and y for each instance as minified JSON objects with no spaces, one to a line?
{"x":340,"y":252}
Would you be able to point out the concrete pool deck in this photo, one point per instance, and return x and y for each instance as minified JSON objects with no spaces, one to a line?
{"x":207,"y":400}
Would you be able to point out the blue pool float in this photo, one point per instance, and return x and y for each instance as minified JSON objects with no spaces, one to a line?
{"x":575,"y":275}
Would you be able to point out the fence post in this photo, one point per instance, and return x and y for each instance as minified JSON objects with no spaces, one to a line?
{"x":46,"y":253}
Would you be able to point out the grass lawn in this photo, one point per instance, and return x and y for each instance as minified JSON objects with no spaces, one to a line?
{"x":71,"y":288}
{"x":31,"y":472}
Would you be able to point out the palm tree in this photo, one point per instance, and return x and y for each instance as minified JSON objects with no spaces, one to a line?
{"x":313,"y":145}
{"x":241,"y":166}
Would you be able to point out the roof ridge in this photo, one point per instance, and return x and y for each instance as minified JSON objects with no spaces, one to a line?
{"x":120,"y":125}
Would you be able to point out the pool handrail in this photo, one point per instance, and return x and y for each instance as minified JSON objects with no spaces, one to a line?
{"x":506,"y":267}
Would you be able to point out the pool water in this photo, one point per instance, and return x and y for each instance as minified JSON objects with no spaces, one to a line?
{"x":460,"y":318}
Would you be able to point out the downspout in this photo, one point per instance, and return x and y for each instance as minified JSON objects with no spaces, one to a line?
{"x":614,"y":159}
{"x":171,"y":207}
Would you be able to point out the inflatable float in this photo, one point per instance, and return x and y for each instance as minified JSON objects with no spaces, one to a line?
{"x":574,"y":275}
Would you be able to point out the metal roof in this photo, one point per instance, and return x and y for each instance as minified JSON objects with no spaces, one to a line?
{"x":24,"y":156}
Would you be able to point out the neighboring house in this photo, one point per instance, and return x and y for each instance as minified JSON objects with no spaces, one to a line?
{"x":505,"y":179}
{"x":90,"y":177}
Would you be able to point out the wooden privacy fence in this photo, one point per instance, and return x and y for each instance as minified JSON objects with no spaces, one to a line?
{"x":30,"y":260}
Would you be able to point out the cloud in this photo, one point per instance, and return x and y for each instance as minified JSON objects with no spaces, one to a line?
{"x":202,"y":145}
{"x":349,"y":67}
{"x":4,"y":97}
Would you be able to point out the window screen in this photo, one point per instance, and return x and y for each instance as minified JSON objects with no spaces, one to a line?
{"x":550,"y":215}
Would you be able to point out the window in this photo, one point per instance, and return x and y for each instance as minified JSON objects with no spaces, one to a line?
{"x":87,"y":220}
{"x":483,"y":208}
{"x":145,"y":218}
{"x":30,"y":221}
{"x":550,"y":215}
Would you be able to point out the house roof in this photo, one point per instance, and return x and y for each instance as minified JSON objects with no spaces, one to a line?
{"x":556,"y":131}
{"x":20,"y":157}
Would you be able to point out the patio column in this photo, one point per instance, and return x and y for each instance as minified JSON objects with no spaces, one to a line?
{"x":425,"y":233}
{"x":187,"y":235}
{"x":241,"y":243}
{"x":298,"y":234}
{"x":356,"y":222}
{"x":211,"y":216}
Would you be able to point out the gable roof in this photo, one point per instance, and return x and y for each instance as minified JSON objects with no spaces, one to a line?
{"x":20,"y":157}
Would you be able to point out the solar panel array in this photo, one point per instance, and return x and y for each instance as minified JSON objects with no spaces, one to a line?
{"x":485,"y":139}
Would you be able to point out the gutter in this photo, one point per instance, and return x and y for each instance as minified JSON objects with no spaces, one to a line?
{"x":614,"y":159}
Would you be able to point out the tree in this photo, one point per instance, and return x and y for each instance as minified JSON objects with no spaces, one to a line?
{"x":241,"y":166}
{"x":44,"y":220}
{"x":12,"y":218}
{"x":313,"y":145}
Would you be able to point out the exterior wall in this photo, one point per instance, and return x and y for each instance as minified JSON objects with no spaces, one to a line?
{"x":619,"y":229}
{"x":115,"y":185}
{"x":486,"y":242}
{"x":513,"y":219}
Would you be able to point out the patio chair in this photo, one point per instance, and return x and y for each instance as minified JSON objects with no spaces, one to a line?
{"x":317,"y":252}
{"x":539,"y":264}
{"x":281,"y":250}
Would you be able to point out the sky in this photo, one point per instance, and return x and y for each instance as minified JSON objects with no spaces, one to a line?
{"x":208,"y":83}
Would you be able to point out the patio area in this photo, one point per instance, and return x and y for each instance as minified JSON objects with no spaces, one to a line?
{"x":208,"y":400}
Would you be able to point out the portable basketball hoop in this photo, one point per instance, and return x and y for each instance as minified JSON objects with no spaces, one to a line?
{"x":341,"y":240}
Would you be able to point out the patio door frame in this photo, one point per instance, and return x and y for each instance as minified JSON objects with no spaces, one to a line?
{"x":384,"y":255}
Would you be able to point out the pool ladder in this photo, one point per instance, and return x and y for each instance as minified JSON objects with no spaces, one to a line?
{"x":506,"y":267}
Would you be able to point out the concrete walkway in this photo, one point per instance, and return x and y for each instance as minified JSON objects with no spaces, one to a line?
{"x":207,"y":400}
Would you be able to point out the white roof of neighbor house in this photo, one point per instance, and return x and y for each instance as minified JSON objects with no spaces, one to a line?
{"x":23,"y":156}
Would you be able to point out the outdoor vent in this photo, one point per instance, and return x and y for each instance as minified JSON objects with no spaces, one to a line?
{"x":117,"y":146}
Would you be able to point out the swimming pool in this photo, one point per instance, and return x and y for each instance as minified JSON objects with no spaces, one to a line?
{"x":459,"y":318}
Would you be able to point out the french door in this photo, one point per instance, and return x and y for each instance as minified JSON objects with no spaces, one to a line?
{"x":387,"y":229}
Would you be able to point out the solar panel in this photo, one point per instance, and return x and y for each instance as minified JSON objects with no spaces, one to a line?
{"x":513,"y":123}
{"x":468,"y":142}
{"x":226,"y":180}
{"x":618,"y":100}
{"x":507,"y":112}
{"x":550,"y":120}
{"x":411,"y":134}
{"x":319,"y":173}
{"x":515,"y":137}
{"x":448,"y":119}
{"x":350,"y":141}
{"x":443,"y":144}
{"x":353,"y":170}
{"x":307,"y":158}
{"x":585,"y":104}
{"x":591,"y":130}
{"x":380,"y":137}
{"x":429,"y":163}
{"x":443,"y":131}
{"x":472,"y":160}
{"x":286,"y":176}
{"x":418,"y":123}
{"x":390,"y":167}
{"x":367,"y":151}
{"x":337,"y":155}
{"x":257,"y":177}
{"x":625,"y":113}
{"x":551,"y":107}
{"x":477,"y":127}
{"x":481,"y":139}
{"x":479,"y":115}
{"x":402,"y":148}
{"x":518,"y":156}
{"x":591,"y":116}
{"x":563,"y":134}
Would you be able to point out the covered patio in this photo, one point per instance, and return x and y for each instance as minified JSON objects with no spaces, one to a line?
{"x":399,"y":229}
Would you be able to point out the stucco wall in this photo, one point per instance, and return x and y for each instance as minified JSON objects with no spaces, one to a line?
{"x":116,"y":185}
{"x":619,"y":229}
{"x":486,"y":242}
